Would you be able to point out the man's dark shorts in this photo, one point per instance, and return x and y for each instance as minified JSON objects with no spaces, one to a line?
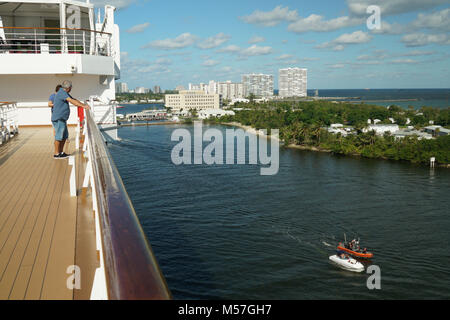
{"x":61,"y":132}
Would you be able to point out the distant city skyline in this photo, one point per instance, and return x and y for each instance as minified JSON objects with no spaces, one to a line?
{"x":204,"y":40}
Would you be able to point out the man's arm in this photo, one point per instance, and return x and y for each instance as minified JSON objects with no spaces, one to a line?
{"x":77,"y":103}
{"x":50,"y":104}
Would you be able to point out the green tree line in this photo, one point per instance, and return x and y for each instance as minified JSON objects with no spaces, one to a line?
{"x":302,"y":123}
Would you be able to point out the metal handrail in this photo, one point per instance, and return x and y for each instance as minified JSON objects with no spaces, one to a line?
{"x":9,"y":125}
{"x":80,"y":41}
{"x":131,"y":269}
{"x":47,"y":28}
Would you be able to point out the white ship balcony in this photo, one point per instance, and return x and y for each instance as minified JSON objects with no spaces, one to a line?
{"x":57,"y":37}
{"x":56,"y":51}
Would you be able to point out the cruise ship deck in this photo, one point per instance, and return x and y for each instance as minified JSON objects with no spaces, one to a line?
{"x":44,"y":231}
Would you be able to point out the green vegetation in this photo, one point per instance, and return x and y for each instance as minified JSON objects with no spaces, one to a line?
{"x":302,"y":123}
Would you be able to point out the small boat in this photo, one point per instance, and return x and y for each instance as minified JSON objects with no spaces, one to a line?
{"x":347,"y":263}
{"x":354,"y":249}
{"x":357,"y":254}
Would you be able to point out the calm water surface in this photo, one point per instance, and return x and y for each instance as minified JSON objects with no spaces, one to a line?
{"x":225,"y":232}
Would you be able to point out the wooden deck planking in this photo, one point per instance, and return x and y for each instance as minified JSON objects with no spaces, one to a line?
{"x":23,"y":191}
{"x":38,"y":219}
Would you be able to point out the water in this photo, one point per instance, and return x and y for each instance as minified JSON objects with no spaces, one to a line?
{"x":225,"y":232}
{"x":135,"y":108}
{"x":438,"y":98}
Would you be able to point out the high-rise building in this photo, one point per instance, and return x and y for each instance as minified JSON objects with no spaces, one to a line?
{"x":141,"y":90}
{"x":199,"y":87}
{"x":229,"y":90}
{"x":121,"y":87}
{"x":156,"y":89}
{"x":260,"y":85}
{"x":292,"y":82}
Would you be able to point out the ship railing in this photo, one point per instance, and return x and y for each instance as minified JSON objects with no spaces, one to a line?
{"x":9,"y":122}
{"x":128,"y":268}
{"x":55,"y":41}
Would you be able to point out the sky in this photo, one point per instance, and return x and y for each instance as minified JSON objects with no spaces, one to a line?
{"x":170,"y":42}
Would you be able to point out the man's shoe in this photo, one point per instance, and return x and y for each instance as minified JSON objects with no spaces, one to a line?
{"x":63,"y":155}
{"x":56,"y":156}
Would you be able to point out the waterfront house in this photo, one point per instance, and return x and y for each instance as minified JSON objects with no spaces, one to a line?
{"x":437,"y":131}
{"x":381,"y":129}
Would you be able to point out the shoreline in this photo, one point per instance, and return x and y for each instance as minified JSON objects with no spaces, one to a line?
{"x":251,"y":130}
{"x":316,"y":149}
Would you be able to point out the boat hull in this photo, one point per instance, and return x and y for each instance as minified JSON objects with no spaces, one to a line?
{"x":348,"y":264}
{"x":356,"y":254}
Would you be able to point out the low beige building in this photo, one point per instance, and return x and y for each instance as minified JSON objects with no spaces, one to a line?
{"x":189,"y":100}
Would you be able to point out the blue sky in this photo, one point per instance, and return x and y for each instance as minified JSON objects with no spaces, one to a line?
{"x":170,"y":43}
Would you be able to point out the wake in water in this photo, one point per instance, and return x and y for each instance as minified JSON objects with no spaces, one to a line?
{"x":319,"y":245}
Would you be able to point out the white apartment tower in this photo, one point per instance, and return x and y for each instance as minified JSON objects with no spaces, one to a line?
{"x":261,"y":85}
{"x":292,"y":82}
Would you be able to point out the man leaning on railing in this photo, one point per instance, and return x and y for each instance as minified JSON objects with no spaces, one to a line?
{"x":60,"y":115}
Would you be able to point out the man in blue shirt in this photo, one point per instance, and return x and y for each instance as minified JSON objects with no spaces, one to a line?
{"x":60,"y":115}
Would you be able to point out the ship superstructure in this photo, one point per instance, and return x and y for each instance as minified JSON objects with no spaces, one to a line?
{"x":68,"y":229}
{"x":43,"y":43}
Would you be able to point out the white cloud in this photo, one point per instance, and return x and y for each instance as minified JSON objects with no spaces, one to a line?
{"x":119,"y":4}
{"x":256,"y":39}
{"x":353,"y":38}
{"x":138,"y":28}
{"x":437,"y":20}
{"x":229,"y":49}
{"x":256,"y":51}
{"x":182,"y":41}
{"x":337,"y":66}
{"x":390,"y":7}
{"x":310,"y":59}
{"x":317,"y":23}
{"x":132,"y":67}
{"x":285,"y":57}
{"x":339,"y":43}
{"x":415,"y":53}
{"x":271,"y":18}
{"x":404,"y":61}
{"x":388,"y":28}
{"x":422,"y":39}
{"x":210,"y":63}
{"x":163,"y":61}
{"x":214,"y":42}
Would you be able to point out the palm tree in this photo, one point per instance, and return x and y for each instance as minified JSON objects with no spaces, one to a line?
{"x":372,"y":135}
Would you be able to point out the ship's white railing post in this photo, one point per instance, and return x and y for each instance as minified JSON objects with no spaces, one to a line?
{"x":99,"y":287}
{"x":73,"y":182}
{"x":77,"y":139}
